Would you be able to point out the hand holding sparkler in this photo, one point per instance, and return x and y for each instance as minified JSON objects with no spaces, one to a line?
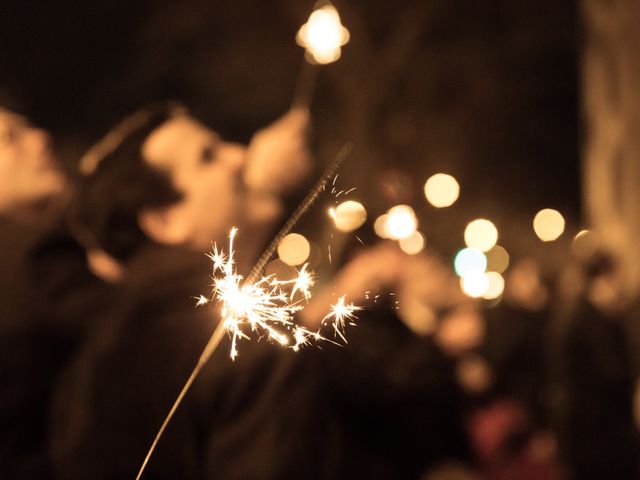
{"x":260,"y":303}
{"x":278,"y":157}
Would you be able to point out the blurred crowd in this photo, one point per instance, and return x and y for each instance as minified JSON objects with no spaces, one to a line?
{"x":99,"y":331}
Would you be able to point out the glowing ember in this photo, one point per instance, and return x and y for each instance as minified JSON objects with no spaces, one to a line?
{"x":268,"y":305}
{"x":323,"y":36}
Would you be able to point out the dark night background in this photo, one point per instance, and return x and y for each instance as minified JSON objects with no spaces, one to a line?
{"x":486,"y":91}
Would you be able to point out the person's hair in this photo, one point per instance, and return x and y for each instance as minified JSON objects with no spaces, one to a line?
{"x":118,"y":184}
{"x":10,"y":102}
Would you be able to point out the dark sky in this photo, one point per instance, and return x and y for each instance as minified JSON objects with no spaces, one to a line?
{"x":487,"y":91}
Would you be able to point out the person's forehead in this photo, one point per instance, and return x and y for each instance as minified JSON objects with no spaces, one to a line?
{"x":177,"y":135}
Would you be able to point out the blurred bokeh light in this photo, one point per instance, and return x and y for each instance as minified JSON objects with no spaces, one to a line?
{"x":348,"y":216}
{"x":495,"y":287}
{"x":412,"y":244}
{"x":380,"y":226}
{"x":468,"y":261}
{"x":441,"y":190}
{"x":481,"y":234}
{"x":548,"y":224}
{"x":294,"y":249}
{"x":401,"y":222}
{"x":475,"y":284}
{"x":497,"y":259}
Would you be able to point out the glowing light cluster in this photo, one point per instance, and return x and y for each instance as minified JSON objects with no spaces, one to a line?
{"x":481,"y":234}
{"x":323,"y":36}
{"x":470,"y":265}
{"x":441,"y":190}
{"x":401,"y":222}
{"x":348,"y":216}
{"x":267,"y":305}
{"x":548,"y":224}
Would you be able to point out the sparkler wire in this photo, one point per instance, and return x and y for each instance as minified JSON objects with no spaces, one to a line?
{"x":211,"y":346}
{"x":220,"y":330}
{"x":305,"y":204}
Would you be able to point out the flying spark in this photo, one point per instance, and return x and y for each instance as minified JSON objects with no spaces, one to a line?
{"x":340,"y":314}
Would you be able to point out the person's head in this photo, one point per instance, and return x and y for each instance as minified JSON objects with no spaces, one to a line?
{"x":28,"y":168}
{"x":160,"y":175}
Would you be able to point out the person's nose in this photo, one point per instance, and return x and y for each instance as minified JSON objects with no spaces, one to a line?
{"x":233,"y":155}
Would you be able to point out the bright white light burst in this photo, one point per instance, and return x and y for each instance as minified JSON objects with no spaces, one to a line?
{"x":267,"y":306}
{"x":323,"y":35}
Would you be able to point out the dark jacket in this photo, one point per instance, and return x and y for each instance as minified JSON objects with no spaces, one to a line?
{"x":254,"y":418}
{"x":47,"y":300}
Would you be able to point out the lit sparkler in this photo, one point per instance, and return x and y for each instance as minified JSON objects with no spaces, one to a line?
{"x":260,"y":302}
{"x":322,"y":37}
{"x":267,"y":305}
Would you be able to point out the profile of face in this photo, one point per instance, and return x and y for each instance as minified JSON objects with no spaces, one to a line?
{"x":28,"y":171}
{"x":206,"y":170}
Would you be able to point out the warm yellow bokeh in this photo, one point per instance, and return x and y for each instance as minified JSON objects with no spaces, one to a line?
{"x":548,"y":224}
{"x":481,"y":234}
{"x":380,"y":226}
{"x":475,"y":285}
{"x":323,"y":36}
{"x":294,"y":249}
{"x":348,"y":216}
{"x":496,"y":286}
{"x":441,"y":190}
{"x":401,"y":222}
{"x":413,"y":244}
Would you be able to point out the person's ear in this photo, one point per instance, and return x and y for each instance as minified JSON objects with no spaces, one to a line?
{"x":167,"y":225}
